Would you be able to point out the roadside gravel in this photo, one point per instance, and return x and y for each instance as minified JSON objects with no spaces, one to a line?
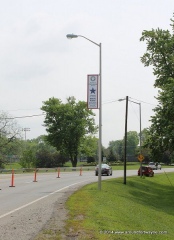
{"x":40,"y":221}
{"x":54,"y":227}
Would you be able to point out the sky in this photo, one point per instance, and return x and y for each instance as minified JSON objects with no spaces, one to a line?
{"x":38,"y":62}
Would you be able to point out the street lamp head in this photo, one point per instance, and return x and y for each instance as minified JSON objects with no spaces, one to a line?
{"x":122,"y":99}
{"x":70,"y":36}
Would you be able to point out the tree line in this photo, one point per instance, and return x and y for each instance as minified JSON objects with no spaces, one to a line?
{"x":41,"y":153}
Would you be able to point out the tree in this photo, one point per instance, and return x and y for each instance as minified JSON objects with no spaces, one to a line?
{"x":160,"y":55}
{"x":89,"y":148}
{"x":116,"y":148}
{"x":9,"y":137}
{"x":145,"y":150}
{"x":67,"y":124}
{"x":132,"y":142}
{"x":111,"y":157}
{"x":28,"y":159}
{"x":46,"y":155}
{"x":39,"y":153}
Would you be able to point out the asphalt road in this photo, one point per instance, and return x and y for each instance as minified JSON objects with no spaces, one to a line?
{"x":27,"y":205}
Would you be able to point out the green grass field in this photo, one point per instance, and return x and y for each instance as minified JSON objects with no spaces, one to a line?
{"x":141,"y":209}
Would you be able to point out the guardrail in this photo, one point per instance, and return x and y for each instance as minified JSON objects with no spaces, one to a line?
{"x":62,"y":169}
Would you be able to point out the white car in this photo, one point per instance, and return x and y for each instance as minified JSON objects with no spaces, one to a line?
{"x":155,"y":166}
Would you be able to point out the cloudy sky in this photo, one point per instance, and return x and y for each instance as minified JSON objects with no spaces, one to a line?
{"x":37,"y":61}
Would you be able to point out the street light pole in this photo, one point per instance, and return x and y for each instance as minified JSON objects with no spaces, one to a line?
{"x":140,"y":136}
{"x":140,"y":141}
{"x":100,"y":118}
{"x":70,"y":36}
{"x":125,"y":139}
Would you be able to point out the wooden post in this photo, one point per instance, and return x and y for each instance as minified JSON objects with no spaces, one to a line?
{"x":81,"y":171}
{"x":58,"y":172}
{"x":35,"y":172}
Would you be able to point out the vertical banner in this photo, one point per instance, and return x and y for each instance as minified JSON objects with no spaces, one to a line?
{"x":92,"y":91}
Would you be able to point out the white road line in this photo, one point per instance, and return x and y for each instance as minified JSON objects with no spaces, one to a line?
{"x":28,"y":204}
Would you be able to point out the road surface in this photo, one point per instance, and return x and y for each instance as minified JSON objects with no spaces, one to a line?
{"x":27,"y":201}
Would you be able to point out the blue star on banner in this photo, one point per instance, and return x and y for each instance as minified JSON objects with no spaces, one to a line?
{"x":93,"y":90}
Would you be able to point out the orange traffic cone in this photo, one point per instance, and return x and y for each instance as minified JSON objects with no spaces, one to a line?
{"x":12,"y":179}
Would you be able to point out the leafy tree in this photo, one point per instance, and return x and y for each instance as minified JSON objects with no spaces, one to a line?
{"x":132,"y":142}
{"x":160,"y":55}
{"x":47,"y":156}
{"x":59,"y":160}
{"x":67,"y":124}
{"x":9,"y":137}
{"x":44,"y":158}
{"x":90,"y":160}
{"x":39,"y":153}
{"x":47,"y":159}
{"x":28,"y":159}
{"x":89,"y":148}
{"x":117,"y":149}
{"x":145,"y":150}
{"x":111,"y":157}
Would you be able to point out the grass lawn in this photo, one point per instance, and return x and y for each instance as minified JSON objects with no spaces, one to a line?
{"x":120,"y":166}
{"x":13,"y":166}
{"x":141,"y":209}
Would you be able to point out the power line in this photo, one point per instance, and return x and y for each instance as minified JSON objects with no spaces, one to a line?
{"x":38,"y":115}
{"x":111,"y":101}
{"x":26,"y":109}
{"x":143,"y":101}
{"x":35,"y":115}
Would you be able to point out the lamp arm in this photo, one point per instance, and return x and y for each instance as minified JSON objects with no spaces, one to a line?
{"x":89,"y":40}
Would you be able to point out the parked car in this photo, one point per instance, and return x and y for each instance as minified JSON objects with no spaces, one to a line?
{"x":146,"y":171}
{"x":155,"y":166}
{"x":105,"y":169}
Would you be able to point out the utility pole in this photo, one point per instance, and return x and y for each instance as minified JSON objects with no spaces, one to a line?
{"x":125,"y":139}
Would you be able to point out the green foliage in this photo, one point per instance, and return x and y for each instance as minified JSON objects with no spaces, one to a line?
{"x":39,"y":153}
{"x":90,"y":160}
{"x":116,"y":149}
{"x":12,"y":166}
{"x":28,"y":159}
{"x":160,"y":55}
{"x":89,"y":148}
{"x":67,"y":124}
{"x":111,"y":157}
{"x":48,"y":159}
{"x":9,"y":138}
{"x":132,"y":142}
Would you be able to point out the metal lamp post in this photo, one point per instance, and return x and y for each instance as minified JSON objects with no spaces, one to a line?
{"x":140,"y":134}
{"x":125,"y":137}
{"x":70,"y":36}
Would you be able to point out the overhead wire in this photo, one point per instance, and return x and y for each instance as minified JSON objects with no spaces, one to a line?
{"x":29,"y":116}
{"x":38,"y":115}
